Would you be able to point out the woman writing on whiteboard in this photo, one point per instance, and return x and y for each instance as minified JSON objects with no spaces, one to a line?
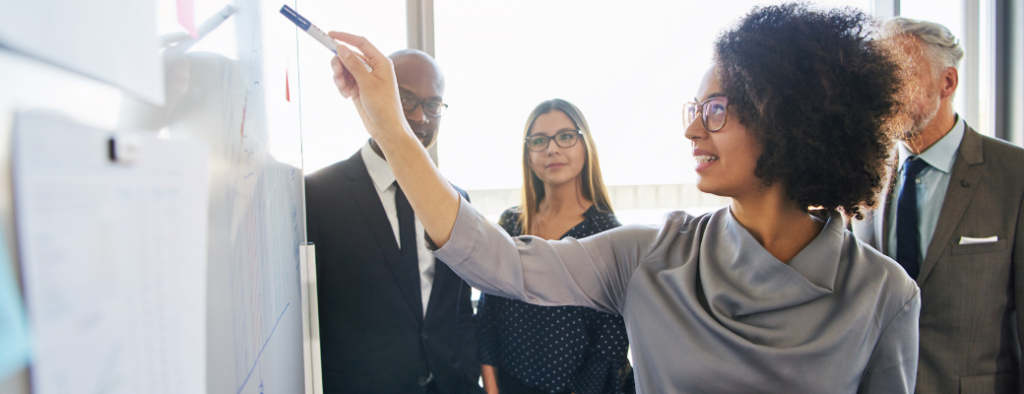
{"x":526,"y":348}
{"x":766,"y":295}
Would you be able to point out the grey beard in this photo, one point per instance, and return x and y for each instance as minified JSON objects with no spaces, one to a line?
{"x":910,"y":134}
{"x":919,"y":125}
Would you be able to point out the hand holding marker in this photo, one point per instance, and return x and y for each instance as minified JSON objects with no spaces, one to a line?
{"x":314,"y":31}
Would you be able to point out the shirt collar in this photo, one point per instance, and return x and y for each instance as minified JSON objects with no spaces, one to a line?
{"x":380,"y":171}
{"x":941,"y":155}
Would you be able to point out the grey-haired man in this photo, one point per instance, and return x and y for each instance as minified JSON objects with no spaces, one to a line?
{"x":953,"y":217}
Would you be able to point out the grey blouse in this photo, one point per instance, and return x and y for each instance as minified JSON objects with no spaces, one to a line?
{"x":709,"y":310}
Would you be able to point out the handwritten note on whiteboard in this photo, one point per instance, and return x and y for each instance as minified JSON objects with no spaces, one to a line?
{"x":113,"y":256}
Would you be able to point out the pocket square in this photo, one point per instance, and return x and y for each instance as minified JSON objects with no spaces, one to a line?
{"x":972,"y":240}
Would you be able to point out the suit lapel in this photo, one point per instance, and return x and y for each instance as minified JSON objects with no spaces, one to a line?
{"x":443,"y":277}
{"x":881,"y":221}
{"x":964,"y":181}
{"x":365,"y":195}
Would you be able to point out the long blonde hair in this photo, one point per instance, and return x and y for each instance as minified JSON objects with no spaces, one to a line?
{"x":533,"y":188}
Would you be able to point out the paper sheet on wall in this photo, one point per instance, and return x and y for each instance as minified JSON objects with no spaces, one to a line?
{"x":114,"y":41}
{"x":113,"y":257}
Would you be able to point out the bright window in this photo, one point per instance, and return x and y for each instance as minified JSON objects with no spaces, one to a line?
{"x":331,"y":129}
{"x":629,"y":66}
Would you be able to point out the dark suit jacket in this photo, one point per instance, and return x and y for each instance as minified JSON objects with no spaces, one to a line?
{"x":969,"y":292}
{"x":373,"y":335}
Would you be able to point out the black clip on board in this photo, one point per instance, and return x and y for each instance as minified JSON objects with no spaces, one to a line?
{"x":123,"y":149}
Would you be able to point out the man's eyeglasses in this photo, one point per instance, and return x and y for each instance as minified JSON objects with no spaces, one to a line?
{"x":712,"y":113}
{"x":564,"y":139}
{"x":432,"y":108}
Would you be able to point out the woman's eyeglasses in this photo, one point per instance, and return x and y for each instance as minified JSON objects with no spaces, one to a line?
{"x":564,"y":139}
{"x":712,"y":113}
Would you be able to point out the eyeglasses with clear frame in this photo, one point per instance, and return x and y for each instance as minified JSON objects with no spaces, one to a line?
{"x":712,"y":113}
{"x":564,"y":139}
{"x":432,"y":108}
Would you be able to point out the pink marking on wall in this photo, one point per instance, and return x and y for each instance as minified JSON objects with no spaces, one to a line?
{"x":187,"y":16}
{"x":244,"y":107}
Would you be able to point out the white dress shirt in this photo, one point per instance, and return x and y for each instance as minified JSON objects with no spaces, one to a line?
{"x":384,"y":182}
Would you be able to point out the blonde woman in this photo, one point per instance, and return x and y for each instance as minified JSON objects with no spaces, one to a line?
{"x":527,"y":348}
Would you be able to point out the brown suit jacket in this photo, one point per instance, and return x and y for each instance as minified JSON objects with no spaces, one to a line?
{"x":969,"y":328}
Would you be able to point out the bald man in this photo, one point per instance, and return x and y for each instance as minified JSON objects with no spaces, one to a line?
{"x":393,"y":319}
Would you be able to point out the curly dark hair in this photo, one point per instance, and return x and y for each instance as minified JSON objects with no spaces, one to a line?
{"x":817,"y":89}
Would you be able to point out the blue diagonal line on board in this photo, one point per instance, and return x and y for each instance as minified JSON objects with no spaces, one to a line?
{"x":261,"y":349}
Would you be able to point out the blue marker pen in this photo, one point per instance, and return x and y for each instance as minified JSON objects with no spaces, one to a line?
{"x":314,"y":31}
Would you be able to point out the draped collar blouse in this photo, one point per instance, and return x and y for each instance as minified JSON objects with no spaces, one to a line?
{"x":709,"y":310}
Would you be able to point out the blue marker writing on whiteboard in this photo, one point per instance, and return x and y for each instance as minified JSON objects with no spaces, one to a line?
{"x":314,"y":31}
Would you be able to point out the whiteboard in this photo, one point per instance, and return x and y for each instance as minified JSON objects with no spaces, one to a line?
{"x":235,"y":91}
{"x":237,"y":100}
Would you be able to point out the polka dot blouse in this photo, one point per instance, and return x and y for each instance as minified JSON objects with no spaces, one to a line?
{"x":556,"y":349}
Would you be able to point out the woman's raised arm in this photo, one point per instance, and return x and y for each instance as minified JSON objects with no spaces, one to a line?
{"x":375,"y":94}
